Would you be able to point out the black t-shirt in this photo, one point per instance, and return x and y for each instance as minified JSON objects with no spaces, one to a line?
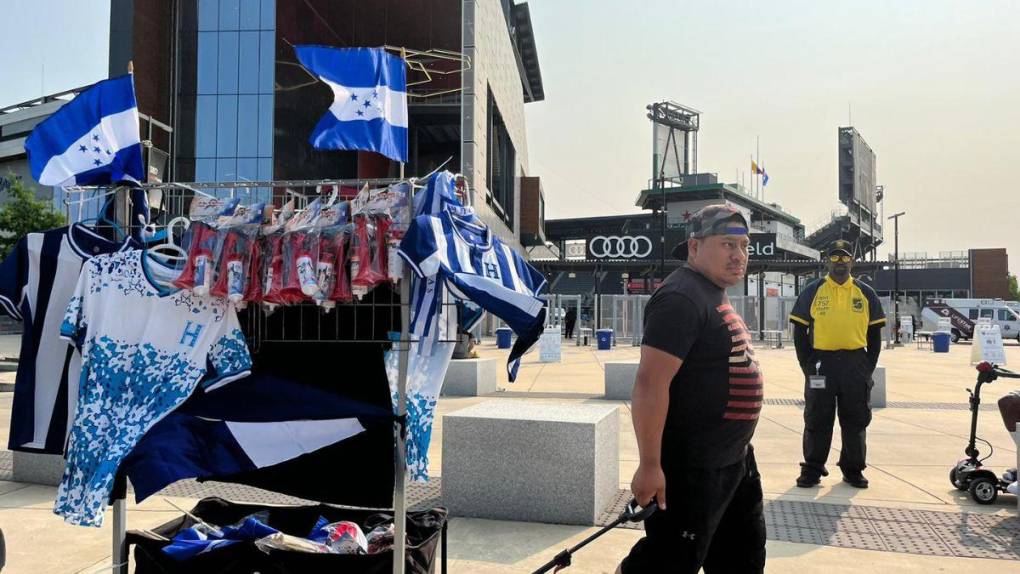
{"x":715,"y":397}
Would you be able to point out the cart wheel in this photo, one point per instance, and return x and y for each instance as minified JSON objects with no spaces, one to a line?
{"x":983,"y":490}
{"x":955,"y":337}
{"x":953,"y":480}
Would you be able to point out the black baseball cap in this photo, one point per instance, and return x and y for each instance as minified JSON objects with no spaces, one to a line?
{"x":841,"y":246}
{"x":712,"y":220}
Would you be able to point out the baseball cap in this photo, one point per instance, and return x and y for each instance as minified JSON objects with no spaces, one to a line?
{"x":712,"y":220}
{"x":841,"y":246}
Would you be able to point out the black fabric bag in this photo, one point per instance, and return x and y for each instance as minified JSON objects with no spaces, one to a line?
{"x":424,"y":530}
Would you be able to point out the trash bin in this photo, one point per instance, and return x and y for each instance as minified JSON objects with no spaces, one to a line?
{"x":503,"y":335}
{"x":940,"y":342}
{"x":605,"y":339}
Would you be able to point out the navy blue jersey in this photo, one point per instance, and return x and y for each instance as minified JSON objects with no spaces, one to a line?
{"x":36,"y":282}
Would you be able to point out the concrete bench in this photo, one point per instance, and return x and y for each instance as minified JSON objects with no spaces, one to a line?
{"x":35,"y":468}
{"x":531,"y":461}
{"x":878,"y":391}
{"x":470,"y":377}
{"x":619,"y":380}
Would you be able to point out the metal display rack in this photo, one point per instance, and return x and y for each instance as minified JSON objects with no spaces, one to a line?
{"x":171,"y":200}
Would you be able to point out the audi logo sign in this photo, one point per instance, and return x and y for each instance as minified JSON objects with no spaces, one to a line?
{"x":620,"y":247}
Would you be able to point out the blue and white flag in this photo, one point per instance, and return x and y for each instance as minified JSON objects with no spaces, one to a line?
{"x":91,"y":140}
{"x":256,"y":422}
{"x":369,"y":110}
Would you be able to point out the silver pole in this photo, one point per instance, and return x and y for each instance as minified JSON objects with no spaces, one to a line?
{"x":119,"y":558}
{"x":400,"y":464}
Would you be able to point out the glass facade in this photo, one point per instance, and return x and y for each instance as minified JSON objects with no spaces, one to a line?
{"x":225,"y":102}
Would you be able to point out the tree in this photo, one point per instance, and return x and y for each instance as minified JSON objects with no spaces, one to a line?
{"x":24,"y":214}
{"x":1014,"y":293}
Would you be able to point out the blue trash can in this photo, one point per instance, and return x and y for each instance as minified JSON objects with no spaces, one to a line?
{"x":503,"y":335}
{"x":940,"y":342}
{"x":605,"y":339}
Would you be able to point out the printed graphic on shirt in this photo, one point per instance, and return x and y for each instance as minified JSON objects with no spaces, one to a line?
{"x":746,"y":387}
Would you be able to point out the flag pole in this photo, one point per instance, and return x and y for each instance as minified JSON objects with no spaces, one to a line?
{"x":757,"y":157}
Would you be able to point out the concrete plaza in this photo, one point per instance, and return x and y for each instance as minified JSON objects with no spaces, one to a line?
{"x":911,"y":445}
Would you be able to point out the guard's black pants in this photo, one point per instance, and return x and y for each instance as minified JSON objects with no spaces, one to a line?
{"x":847,"y":391}
{"x":570,"y":329}
{"x":713,"y":520}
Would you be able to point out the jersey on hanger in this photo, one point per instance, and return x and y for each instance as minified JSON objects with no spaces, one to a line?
{"x":144,"y":347}
{"x":478,"y":267}
{"x":36,"y":281}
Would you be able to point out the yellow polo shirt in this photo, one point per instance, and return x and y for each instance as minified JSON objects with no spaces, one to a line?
{"x":838,"y":316}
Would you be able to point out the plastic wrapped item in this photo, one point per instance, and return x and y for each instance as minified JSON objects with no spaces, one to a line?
{"x":281,"y":541}
{"x":368,"y":254}
{"x":343,"y":537}
{"x":301,"y":254}
{"x":332,"y":261}
{"x":200,"y":242}
{"x":234,"y":253}
{"x":380,"y":539}
{"x":271,"y":261}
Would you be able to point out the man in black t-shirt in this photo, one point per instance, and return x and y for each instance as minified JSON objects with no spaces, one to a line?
{"x":695,"y":405}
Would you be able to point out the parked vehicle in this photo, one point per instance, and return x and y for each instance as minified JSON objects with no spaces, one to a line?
{"x":965,"y":314}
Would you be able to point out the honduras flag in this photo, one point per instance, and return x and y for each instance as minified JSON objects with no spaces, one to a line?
{"x":369,"y":110}
{"x":91,"y":140}
{"x":256,"y":422}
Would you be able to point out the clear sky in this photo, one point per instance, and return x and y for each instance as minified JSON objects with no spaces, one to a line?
{"x":933,"y":86}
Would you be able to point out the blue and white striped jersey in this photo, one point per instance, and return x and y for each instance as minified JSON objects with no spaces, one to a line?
{"x":478,"y":267}
{"x":37,"y":280}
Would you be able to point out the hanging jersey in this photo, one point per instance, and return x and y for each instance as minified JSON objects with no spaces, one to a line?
{"x":144,"y":349}
{"x":478,"y":267}
{"x":36,"y":281}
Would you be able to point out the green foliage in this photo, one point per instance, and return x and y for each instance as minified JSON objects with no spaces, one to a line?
{"x":1013,"y":292}
{"x":23,"y":214}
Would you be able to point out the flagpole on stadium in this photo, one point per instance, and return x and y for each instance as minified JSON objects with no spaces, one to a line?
{"x":757,"y":158}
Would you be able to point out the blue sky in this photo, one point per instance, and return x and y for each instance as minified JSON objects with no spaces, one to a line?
{"x":933,"y":86}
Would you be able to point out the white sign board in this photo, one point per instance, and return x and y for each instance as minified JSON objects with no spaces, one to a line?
{"x":945,"y":325}
{"x":549,"y":345}
{"x":987,"y":346}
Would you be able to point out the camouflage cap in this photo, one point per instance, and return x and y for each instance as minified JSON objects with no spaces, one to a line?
{"x":711,"y":220}
{"x":841,"y":246}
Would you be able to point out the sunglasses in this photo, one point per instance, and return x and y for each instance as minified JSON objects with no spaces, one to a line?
{"x":840,"y":258}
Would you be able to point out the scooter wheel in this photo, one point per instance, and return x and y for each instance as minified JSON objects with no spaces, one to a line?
{"x":954,"y":481}
{"x":984,"y":490}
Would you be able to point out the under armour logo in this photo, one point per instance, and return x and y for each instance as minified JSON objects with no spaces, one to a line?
{"x":191,"y":333}
{"x":492,"y":271}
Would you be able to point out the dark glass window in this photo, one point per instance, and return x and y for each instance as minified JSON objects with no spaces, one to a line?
{"x":227,"y":70}
{"x":501,"y":162}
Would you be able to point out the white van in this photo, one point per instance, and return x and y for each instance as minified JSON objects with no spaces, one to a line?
{"x":965,"y":313}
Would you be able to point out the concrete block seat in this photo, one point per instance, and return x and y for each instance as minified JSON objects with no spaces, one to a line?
{"x":531,"y":461}
{"x":619,"y":380}
{"x":470,"y":377}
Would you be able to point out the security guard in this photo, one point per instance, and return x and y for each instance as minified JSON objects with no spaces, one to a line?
{"x":838,"y":334}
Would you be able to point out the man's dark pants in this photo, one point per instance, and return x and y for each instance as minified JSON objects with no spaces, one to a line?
{"x":570,"y":328}
{"x":713,"y":520}
{"x":847,"y":391}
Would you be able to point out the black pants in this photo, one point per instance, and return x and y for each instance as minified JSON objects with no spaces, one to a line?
{"x":847,"y":391}
{"x":570,"y":329}
{"x":713,"y":520}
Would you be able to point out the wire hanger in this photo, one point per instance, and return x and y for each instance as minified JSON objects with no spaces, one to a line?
{"x":101,"y":218}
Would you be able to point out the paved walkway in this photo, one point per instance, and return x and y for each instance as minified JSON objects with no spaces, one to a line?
{"x":910,"y":520}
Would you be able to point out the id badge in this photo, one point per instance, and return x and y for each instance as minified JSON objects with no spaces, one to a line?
{"x":816,"y":381}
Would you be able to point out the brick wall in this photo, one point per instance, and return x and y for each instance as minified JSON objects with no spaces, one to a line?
{"x":989,"y":269}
